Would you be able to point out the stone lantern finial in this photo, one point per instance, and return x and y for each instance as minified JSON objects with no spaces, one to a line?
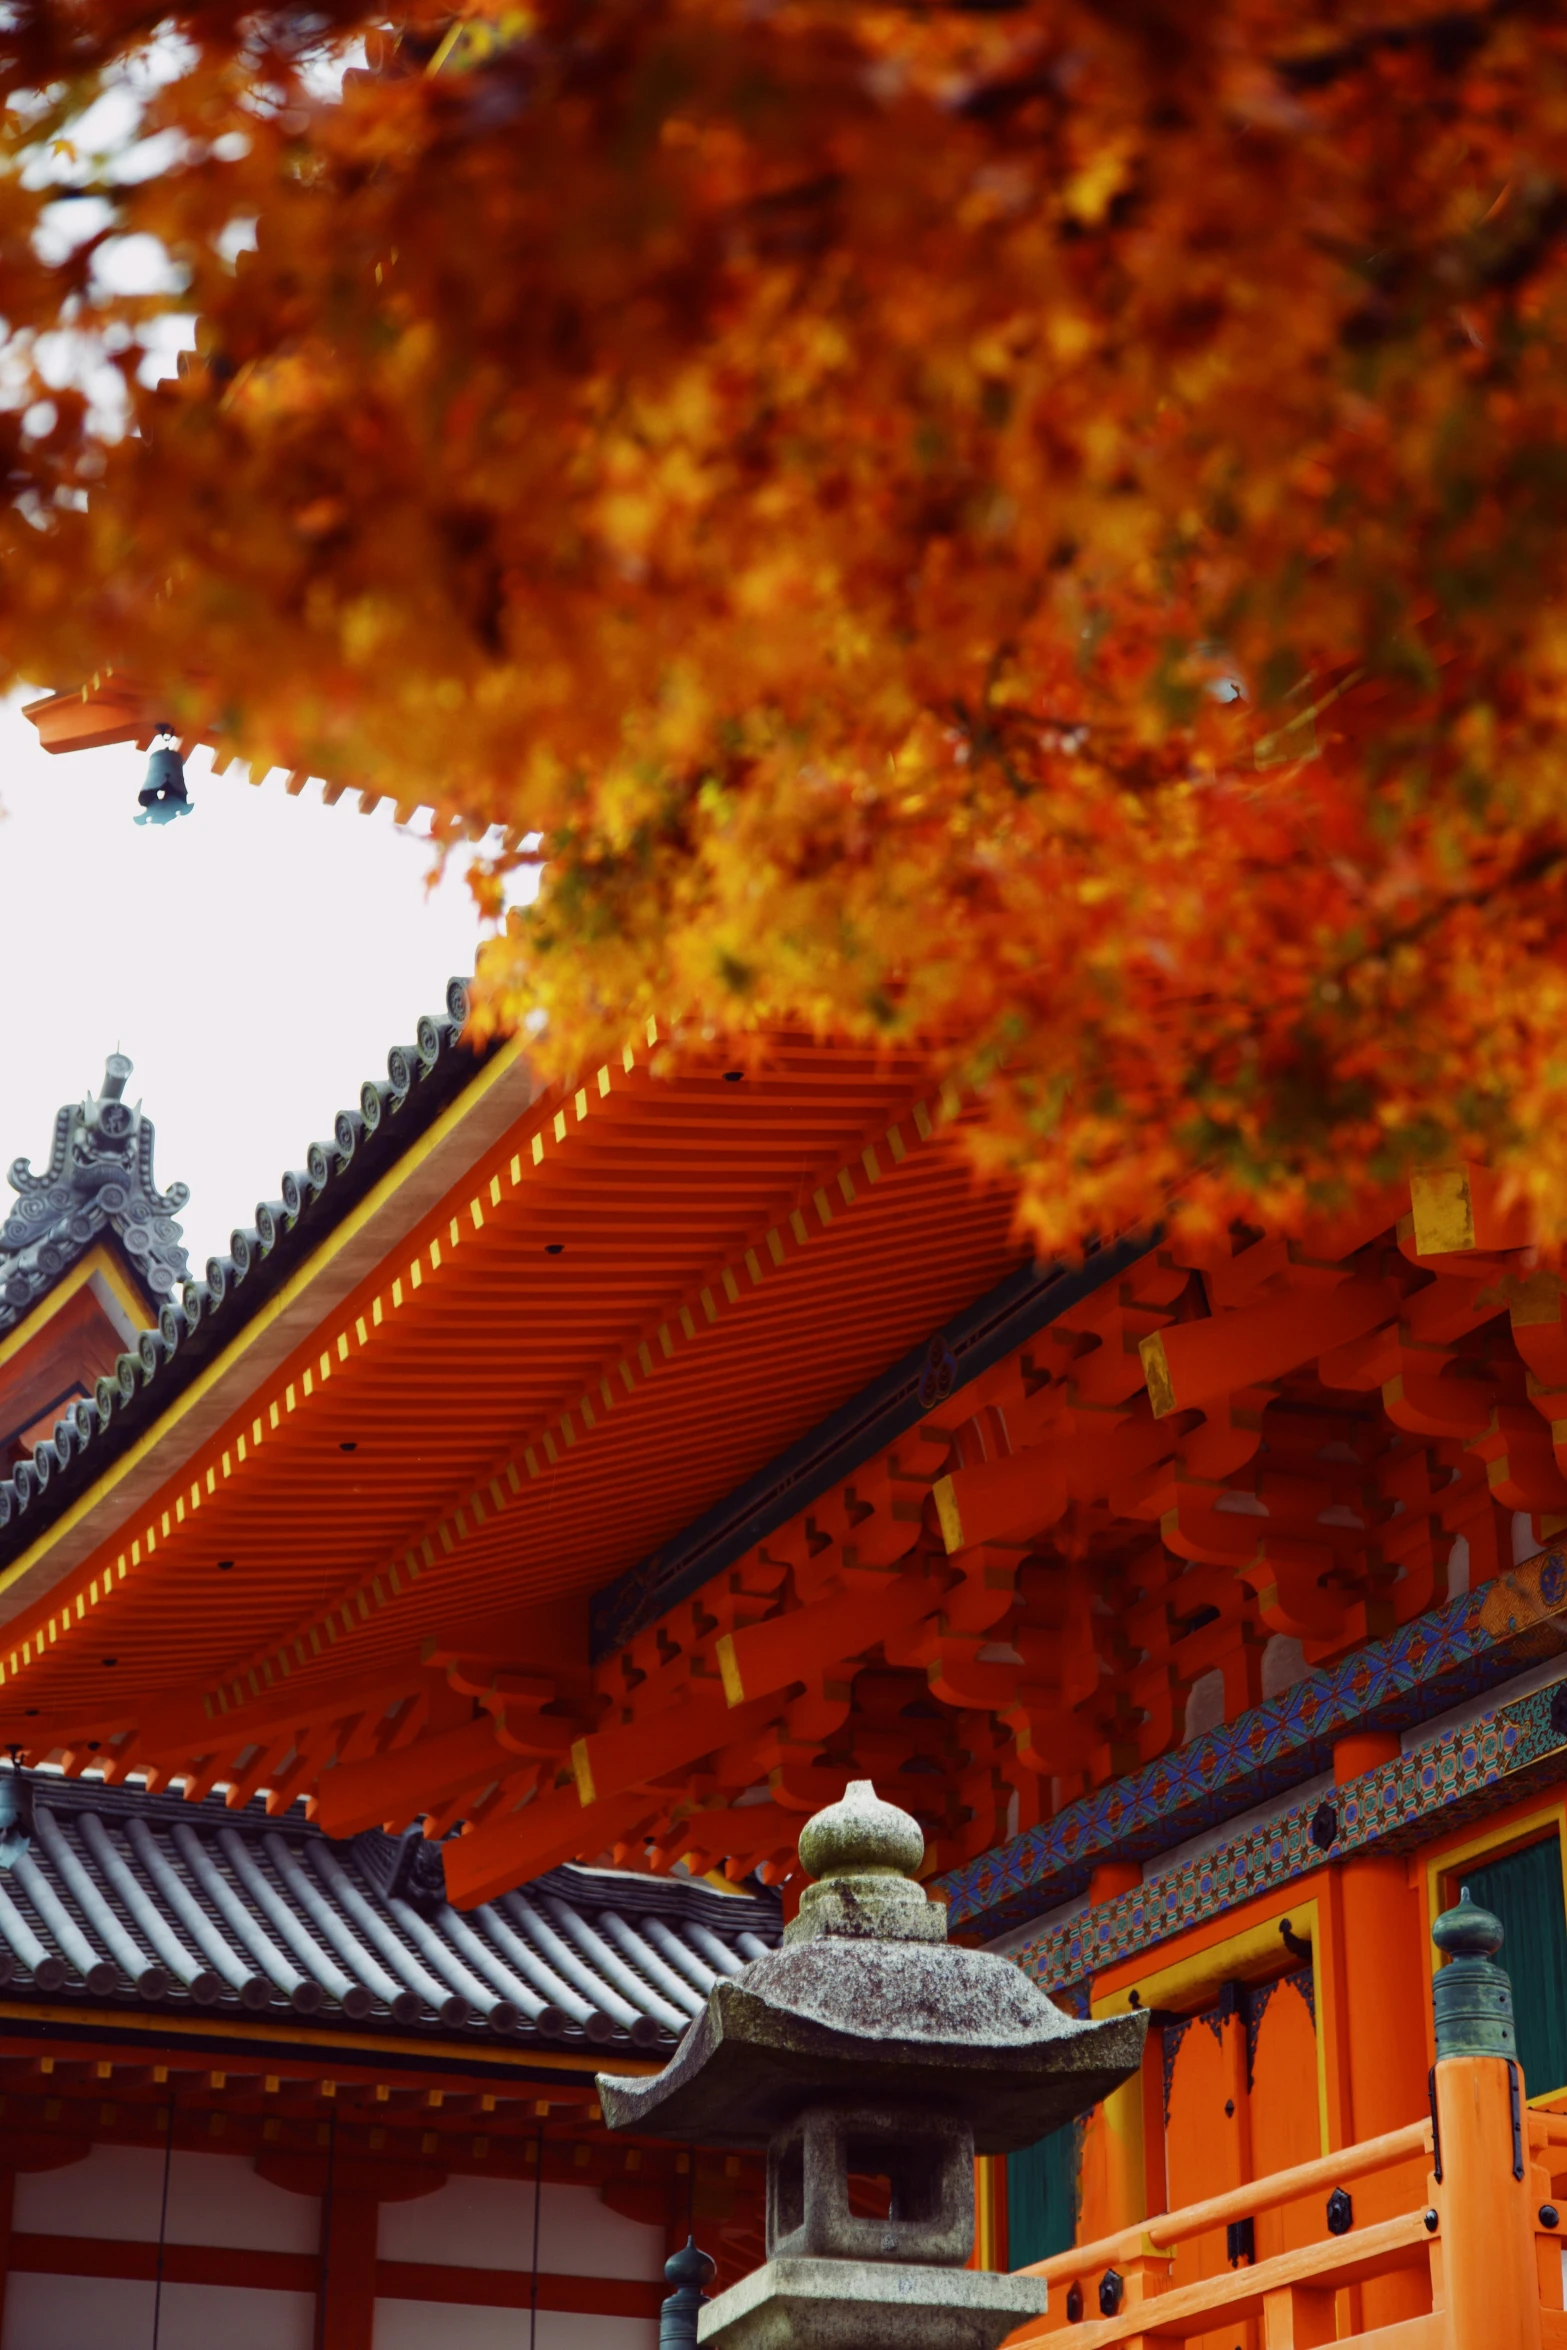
{"x":864,"y":1854}
{"x":862,"y":1835}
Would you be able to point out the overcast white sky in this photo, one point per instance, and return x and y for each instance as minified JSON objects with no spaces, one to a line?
{"x":256,"y":959}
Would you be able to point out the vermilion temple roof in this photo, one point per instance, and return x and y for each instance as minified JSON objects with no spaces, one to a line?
{"x":558,"y":1338}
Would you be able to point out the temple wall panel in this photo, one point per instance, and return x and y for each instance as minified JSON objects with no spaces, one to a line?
{"x":240,"y":2260}
{"x":416,"y":2325}
{"x":488,"y":2224}
{"x":46,"y":2312}
{"x":117,"y":2191}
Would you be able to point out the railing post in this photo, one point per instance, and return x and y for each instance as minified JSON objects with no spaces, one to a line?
{"x":1481,"y":2157}
{"x":1298,"y":2317}
{"x":688,"y":2270}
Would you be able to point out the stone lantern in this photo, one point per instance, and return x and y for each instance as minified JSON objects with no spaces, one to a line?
{"x":869,"y":2046}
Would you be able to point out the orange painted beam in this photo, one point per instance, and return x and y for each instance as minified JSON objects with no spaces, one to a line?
{"x":361,"y":1795}
{"x":93,"y":717}
{"x":1194,"y":1363}
{"x":517,"y":1845}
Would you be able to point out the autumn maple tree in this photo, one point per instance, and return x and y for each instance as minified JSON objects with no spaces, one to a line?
{"x":1037,"y":532}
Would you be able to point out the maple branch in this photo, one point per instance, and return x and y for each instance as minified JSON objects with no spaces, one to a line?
{"x":1452,"y":37}
{"x":1536,"y":867}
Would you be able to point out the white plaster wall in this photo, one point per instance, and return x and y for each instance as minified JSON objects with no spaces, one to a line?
{"x":488,"y":2223}
{"x":1283,"y":1664}
{"x":443,"y":2325}
{"x":1204,"y":1706}
{"x":110,"y":2313}
{"x":213,"y":2199}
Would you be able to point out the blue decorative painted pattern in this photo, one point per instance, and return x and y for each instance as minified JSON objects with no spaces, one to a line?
{"x":1458,"y":1651}
{"x":1458,"y":1777}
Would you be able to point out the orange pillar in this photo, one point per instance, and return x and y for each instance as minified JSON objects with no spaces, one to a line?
{"x":1388,"y":1987}
{"x":348,"y":2284}
{"x":1115,"y":2167}
{"x":1382,"y":2003}
{"x":1490,"y":2280}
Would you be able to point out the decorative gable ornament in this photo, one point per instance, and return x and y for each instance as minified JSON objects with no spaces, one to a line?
{"x":99,"y":1181}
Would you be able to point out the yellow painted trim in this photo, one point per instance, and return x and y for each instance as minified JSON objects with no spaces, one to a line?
{"x":97,"y":1260}
{"x":1256,"y":1951}
{"x":292,"y":1290}
{"x":1185,"y":1982}
{"x":1161,"y":1387}
{"x":948,"y":1515}
{"x":1443,"y":1211}
{"x":1126,"y":2149}
{"x":986,"y":2207}
{"x":729,"y":1670}
{"x":174,"y":2027}
{"x":1446,"y":1861}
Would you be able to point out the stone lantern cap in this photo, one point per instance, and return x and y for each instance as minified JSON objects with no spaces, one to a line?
{"x":867,"y":2003}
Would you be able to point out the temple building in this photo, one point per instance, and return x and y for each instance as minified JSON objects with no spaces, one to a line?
{"x":579,"y":1485}
{"x":260,"y":2082}
{"x":274,"y":2087}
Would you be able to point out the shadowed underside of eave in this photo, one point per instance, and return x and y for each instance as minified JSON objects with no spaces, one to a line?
{"x":486,"y":1424}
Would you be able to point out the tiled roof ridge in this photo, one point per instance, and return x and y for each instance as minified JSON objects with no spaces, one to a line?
{"x":98,"y":1180}
{"x":143,"y":1899}
{"x":421,"y":1080}
{"x":587,"y":1889}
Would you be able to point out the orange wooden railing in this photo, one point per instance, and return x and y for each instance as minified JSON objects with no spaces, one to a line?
{"x":1482,"y":2250}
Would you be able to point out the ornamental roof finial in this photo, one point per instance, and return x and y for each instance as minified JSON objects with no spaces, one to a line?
{"x":99,"y":1180}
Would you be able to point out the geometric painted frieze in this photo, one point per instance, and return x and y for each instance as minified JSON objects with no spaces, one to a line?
{"x":1462,"y":1775}
{"x":1443,"y":1657}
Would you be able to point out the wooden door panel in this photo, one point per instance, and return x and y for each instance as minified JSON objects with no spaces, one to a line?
{"x":1286,"y":2121}
{"x":1207,"y":2149}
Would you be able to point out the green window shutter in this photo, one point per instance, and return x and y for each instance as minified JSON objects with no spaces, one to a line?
{"x":1042,"y":2197}
{"x":1525,"y":1890}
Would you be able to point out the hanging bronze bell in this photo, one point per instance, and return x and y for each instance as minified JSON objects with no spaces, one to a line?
{"x":163,"y":794}
{"x":165,"y":776}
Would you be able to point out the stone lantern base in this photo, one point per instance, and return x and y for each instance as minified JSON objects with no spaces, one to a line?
{"x":804,"y":2304}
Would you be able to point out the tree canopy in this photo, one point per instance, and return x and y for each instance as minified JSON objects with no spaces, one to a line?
{"x":1034,"y":528}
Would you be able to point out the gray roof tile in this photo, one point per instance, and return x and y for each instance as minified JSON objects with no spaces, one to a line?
{"x":98,"y":1182}
{"x":147,"y":1900}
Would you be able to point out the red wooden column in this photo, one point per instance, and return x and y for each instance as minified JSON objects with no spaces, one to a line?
{"x":348,"y":2285}
{"x":1115,"y":2168}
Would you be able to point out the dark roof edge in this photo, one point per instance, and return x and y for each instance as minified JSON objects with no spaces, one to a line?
{"x":422,"y":1080}
{"x":973,"y":1341}
{"x":588,"y":1890}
